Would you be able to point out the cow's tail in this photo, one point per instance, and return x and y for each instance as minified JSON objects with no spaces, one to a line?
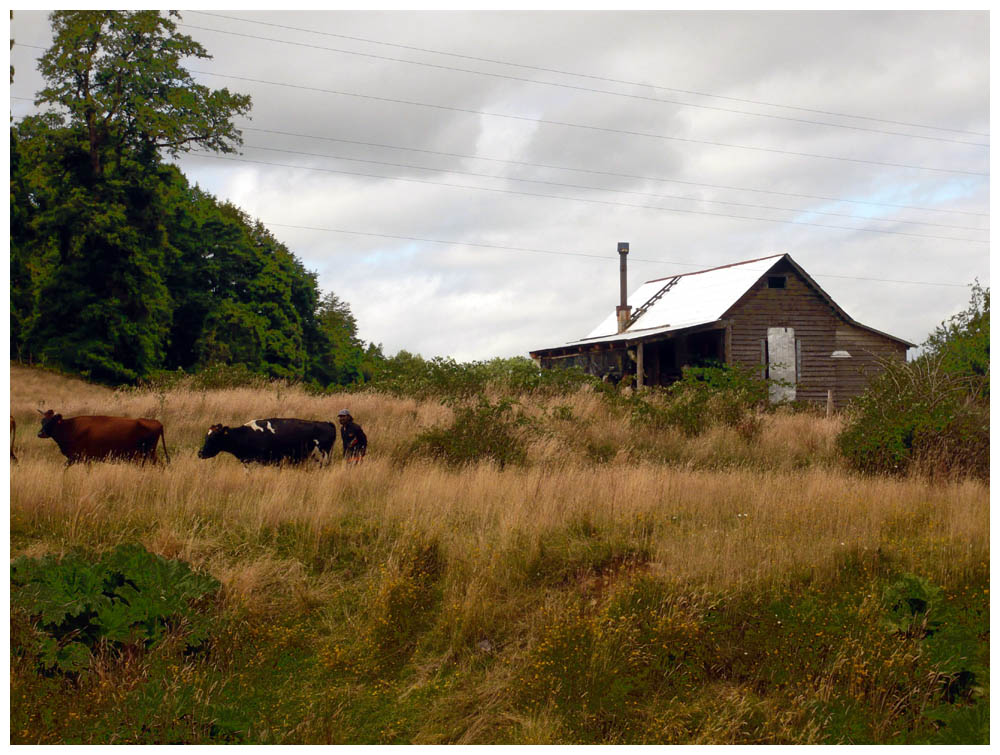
{"x":164,"y":440}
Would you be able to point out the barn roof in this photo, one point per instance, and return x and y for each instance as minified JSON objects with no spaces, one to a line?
{"x":689,"y":300}
{"x":694,"y":299}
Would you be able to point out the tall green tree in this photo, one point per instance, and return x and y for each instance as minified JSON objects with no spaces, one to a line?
{"x":98,"y":187}
{"x":118,"y":75}
{"x":255,"y":314}
{"x":118,"y":265}
{"x":963,"y":341}
{"x":339,"y":356}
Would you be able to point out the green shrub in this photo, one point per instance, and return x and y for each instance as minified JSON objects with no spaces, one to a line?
{"x":704,"y":396}
{"x":482,"y":432}
{"x":917,"y":416}
{"x":909,"y":603}
{"x":442,"y":377}
{"x":963,"y":342}
{"x":128,"y":597}
{"x":931,"y":414}
{"x":213,"y":377}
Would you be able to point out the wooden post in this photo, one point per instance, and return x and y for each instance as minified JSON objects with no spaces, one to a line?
{"x":829,"y":402}
{"x":639,"y":381}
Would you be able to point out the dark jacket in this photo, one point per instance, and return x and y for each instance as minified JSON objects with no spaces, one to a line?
{"x":355,"y":441}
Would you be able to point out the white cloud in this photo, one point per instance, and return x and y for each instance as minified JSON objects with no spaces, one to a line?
{"x":474,"y":302}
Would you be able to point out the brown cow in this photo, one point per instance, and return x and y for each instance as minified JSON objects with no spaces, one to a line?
{"x":111,"y":438}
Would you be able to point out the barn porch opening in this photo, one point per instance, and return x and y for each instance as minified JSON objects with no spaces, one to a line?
{"x":663,"y":359}
{"x":662,"y":356}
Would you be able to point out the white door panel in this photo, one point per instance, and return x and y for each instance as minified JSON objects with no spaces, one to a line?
{"x":781,"y":363}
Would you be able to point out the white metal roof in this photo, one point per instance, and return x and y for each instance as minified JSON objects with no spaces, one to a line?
{"x":699,"y":298}
{"x":695,"y":299}
{"x":632,"y":333}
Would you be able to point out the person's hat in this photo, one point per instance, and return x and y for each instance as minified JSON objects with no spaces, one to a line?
{"x":343,"y":413}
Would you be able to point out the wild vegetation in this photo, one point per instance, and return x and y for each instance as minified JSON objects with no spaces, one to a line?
{"x":932,"y":413}
{"x":524,"y":556}
{"x":119,"y":267}
{"x":617,"y":580}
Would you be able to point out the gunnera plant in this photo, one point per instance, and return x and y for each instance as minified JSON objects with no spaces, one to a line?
{"x":62,"y":609}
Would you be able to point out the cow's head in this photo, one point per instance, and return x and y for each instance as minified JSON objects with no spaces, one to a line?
{"x":49,"y":421}
{"x":214,"y":441}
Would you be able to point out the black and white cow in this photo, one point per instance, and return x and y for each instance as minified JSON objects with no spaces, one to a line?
{"x":272,"y":441}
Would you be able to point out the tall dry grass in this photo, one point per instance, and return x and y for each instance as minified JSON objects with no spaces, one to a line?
{"x":775,"y":510}
{"x":717,"y":514}
{"x":719,"y":529}
{"x":577,"y":429}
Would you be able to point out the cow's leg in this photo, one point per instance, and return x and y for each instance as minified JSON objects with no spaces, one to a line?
{"x":316,"y":453}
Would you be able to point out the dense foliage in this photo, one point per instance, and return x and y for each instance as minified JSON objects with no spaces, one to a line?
{"x":119,"y":267}
{"x":407,"y":374}
{"x":64,"y":609}
{"x":931,"y":414}
{"x":963,"y":343}
{"x":716,"y":394}
{"x":624,"y":583}
{"x":485,"y":431}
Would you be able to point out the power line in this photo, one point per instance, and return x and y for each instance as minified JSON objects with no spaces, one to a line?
{"x":603,"y":257}
{"x":608,"y":173}
{"x":608,"y":190}
{"x":591,"y":201}
{"x":613,"y":174}
{"x":583,"y":126}
{"x":586,"y":89}
{"x":595,"y":78}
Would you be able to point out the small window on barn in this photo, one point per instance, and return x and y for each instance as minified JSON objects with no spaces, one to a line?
{"x":776,"y":281}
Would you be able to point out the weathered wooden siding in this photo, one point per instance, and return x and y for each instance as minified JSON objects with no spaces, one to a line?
{"x":740,"y":335}
{"x":796,"y":306}
{"x":820,"y":331}
{"x":866,"y":349}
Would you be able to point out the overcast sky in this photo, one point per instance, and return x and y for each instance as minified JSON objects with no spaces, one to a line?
{"x":853,"y":141}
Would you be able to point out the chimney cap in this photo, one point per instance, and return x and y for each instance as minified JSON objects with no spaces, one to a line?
{"x":622,"y":247}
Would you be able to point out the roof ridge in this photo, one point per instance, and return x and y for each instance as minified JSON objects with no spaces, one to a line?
{"x":720,"y":267}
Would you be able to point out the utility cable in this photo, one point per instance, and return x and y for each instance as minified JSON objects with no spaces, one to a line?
{"x":583,"y":126}
{"x":585,"y":89}
{"x":608,"y":173}
{"x":601,"y":172}
{"x":592,"y":77}
{"x":603,"y":257}
{"x":806,"y":211}
{"x":590,"y":201}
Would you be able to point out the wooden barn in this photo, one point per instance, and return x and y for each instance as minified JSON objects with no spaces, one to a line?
{"x":766,"y":313}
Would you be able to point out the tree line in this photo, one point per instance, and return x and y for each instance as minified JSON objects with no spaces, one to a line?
{"x":119,"y":266}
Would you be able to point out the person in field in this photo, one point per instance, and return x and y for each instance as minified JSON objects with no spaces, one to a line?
{"x":354,"y":438}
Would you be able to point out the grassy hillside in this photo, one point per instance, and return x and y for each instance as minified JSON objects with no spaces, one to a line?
{"x":620,"y":585}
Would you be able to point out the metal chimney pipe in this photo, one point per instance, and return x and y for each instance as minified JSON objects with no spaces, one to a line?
{"x":624,"y":311}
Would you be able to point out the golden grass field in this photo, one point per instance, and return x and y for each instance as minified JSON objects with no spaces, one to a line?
{"x":723,"y":515}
